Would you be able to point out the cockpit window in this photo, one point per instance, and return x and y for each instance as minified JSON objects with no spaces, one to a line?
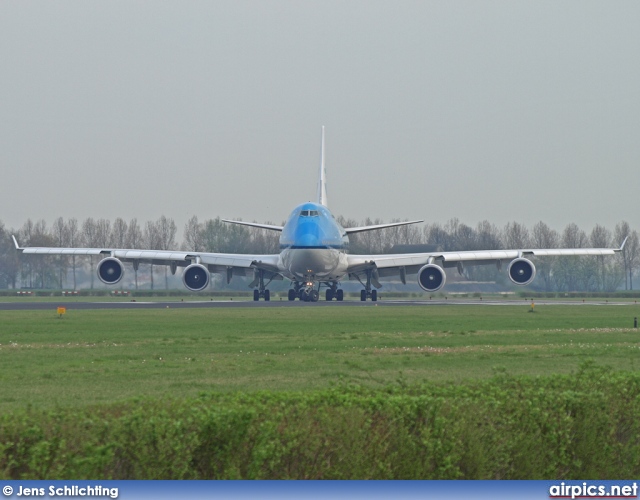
{"x":309,"y":213}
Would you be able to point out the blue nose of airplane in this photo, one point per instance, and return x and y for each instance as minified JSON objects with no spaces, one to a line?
{"x":307,"y":240}
{"x":308,"y":234}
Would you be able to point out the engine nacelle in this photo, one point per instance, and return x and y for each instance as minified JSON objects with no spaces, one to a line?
{"x":431,"y":278}
{"x":195,"y":277}
{"x":521,"y":271}
{"x":110,"y":270}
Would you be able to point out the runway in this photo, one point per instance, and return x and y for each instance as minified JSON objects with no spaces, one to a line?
{"x":32,"y":305}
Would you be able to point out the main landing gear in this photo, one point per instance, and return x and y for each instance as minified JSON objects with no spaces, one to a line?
{"x":333,"y":293}
{"x":373,"y":294}
{"x":261,"y":291}
{"x":265,"y":294}
{"x":368,"y":292}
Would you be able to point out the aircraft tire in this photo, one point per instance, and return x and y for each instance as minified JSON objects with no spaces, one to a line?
{"x":374,"y":295}
{"x":329,"y":295}
{"x":267,"y":295}
{"x":340,"y":295}
{"x":292,"y":294}
{"x":314,"y":296}
{"x":256,"y":295}
{"x":363,"y":295}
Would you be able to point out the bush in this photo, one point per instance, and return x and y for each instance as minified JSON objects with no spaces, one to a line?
{"x":558,"y":427}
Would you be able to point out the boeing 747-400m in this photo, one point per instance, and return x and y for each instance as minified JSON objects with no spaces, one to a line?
{"x":314,"y":253}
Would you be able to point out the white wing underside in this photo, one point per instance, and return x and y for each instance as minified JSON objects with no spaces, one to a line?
{"x":412,"y":262}
{"x":216,"y":262}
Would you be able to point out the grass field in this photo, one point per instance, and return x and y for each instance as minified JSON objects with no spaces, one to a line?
{"x":95,"y":356}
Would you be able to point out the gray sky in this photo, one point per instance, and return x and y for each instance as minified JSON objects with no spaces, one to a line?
{"x":513,"y":110}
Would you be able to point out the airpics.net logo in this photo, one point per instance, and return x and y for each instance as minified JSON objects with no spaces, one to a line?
{"x":586,"y":490}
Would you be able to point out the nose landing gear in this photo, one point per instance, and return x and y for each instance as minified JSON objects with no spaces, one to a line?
{"x":309,"y":295}
{"x":307,"y":292}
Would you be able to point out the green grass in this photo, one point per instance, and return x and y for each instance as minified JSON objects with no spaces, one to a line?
{"x":90,"y":357}
{"x":438,"y":392}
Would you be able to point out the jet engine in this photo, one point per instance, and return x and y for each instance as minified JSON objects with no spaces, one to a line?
{"x":431,"y":278}
{"x":110,"y":270}
{"x":195,"y":277}
{"x":521,"y":271}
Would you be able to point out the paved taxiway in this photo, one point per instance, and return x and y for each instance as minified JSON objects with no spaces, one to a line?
{"x":28,"y":305}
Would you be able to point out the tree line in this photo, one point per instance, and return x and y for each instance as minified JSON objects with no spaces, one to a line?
{"x":213,"y":235}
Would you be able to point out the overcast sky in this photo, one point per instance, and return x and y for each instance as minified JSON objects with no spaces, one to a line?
{"x":498,"y":110}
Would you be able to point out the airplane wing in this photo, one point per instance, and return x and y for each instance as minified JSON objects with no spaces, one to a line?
{"x":231,"y":264}
{"x":451,"y":259}
{"x":402,"y":264}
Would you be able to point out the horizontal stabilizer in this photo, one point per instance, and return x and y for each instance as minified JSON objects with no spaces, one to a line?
{"x":270,"y":227}
{"x":351,"y":230}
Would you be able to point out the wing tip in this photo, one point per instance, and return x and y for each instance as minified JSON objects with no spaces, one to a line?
{"x":623,"y":243}
{"x":15,"y":242}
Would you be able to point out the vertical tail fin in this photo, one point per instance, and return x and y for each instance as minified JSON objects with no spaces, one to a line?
{"x":322,"y":179}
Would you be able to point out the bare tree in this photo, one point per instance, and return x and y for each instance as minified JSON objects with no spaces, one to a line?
{"x":409,"y":234}
{"x":632,"y":249}
{"x":151,"y":239}
{"x":570,"y":273}
{"x":435,"y":234}
{"x":622,"y":231}
{"x":118,"y":236}
{"x":40,"y":270}
{"x":515,"y":236}
{"x":166,"y":233}
{"x":370,"y":241}
{"x":60,"y":234}
{"x":9,"y":264}
{"x":466,"y":238}
{"x":103,"y":233}
{"x":135,"y":237}
{"x":543,"y":236}
{"x":600,"y":237}
{"x":166,"y":229}
{"x":74,"y":240}
{"x":90,"y":239}
{"x":573,"y":237}
{"x":487,"y":237}
{"x":134,"y":240}
{"x":218,"y":236}
{"x":264,"y":241}
{"x":193,"y":235}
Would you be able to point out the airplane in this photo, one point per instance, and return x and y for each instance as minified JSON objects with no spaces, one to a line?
{"x":314,"y":253}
